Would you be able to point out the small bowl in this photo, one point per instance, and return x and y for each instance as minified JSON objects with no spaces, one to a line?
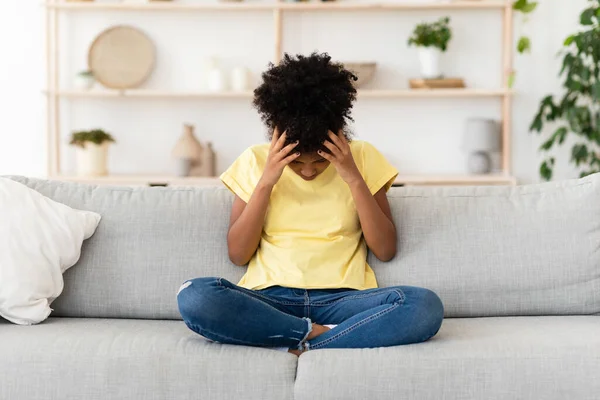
{"x":363,"y":70}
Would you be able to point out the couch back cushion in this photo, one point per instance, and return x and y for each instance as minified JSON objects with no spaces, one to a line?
{"x":499,"y":251}
{"x":486,"y":251}
{"x":149,"y":241}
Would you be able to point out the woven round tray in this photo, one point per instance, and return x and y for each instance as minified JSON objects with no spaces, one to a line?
{"x":121,"y":57}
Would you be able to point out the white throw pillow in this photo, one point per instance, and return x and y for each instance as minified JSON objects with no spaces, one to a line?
{"x":39,"y":240}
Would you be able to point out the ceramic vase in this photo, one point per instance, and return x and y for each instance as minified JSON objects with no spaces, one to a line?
{"x":188,"y":152}
{"x":240,"y":79}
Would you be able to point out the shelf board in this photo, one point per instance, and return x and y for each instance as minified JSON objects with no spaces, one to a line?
{"x":145,"y":180}
{"x":433,"y":5}
{"x":490,"y":179}
{"x":141,"y":180}
{"x":258,"y":6}
{"x":158,"y":94}
{"x":434,"y":93}
{"x":162,"y":6}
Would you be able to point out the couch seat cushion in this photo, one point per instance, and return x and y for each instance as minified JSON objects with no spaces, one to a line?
{"x":98,"y":359}
{"x":551,"y":357}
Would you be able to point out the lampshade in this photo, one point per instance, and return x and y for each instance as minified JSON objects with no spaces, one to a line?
{"x":482,"y":135}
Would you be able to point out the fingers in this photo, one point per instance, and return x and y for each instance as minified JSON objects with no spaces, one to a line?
{"x":287,"y":149}
{"x":291,"y":158}
{"x":275,"y":136}
{"x":337,"y":153}
{"x":335,"y":139}
{"x":326,"y":156}
{"x":279,"y":143}
{"x":340,"y":141}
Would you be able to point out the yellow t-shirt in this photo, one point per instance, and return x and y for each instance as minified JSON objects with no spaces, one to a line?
{"x":312,"y":237}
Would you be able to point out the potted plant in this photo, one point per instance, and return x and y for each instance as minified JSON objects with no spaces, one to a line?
{"x":84,"y":80}
{"x":577,"y":113}
{"x":431,"y":40}
{"x":91,"y":151}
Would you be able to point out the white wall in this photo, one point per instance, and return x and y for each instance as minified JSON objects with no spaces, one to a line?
{"x":418,"y":136}
{"x":22,"y":77}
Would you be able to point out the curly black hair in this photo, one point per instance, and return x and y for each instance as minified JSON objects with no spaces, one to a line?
{"x":306,"y":96}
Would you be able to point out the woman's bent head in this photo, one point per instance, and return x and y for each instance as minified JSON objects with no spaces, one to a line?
{"x":306,"y":97}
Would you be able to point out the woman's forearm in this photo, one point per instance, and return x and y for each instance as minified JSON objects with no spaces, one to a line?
{"x":379,"y":231}
{"x":244,"y":235}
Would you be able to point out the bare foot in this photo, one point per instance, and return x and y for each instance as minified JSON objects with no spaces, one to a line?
{"x":317,"y":330}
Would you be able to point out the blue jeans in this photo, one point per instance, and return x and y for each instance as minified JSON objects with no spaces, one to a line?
{"x":282,"y":317}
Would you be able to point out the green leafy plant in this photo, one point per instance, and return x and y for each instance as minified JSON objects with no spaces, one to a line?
{"x":435,"y":34}
{"x":525,"y":7}
{"x":97,"y":136}
{"x":578,"y":111}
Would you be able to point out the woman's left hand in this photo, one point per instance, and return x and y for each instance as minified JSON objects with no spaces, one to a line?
{"x":341,"y":157}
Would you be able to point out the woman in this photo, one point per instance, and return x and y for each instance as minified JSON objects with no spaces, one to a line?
{"x":307,"y":206}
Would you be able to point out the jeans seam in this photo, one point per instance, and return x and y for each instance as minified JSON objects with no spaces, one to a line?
{"x":204,"y":332}
{"x":285,"y":303}
{"x":307,"y":303}
{"x":358,"y":296}
{"x":360,"y":323}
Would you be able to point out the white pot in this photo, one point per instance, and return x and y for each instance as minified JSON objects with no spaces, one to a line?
{"x":84,"y":82}
{"x":429,"y":57}
{"x":216,"y":80}
{"x":91,"y":159}
{"x":240,"y":79}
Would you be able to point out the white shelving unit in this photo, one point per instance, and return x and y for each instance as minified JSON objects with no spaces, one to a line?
{"x":55,"y":94}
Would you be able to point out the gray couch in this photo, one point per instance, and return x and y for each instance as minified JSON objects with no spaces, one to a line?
{"x":518,"y":269}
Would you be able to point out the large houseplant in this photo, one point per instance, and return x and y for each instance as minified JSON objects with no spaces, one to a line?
{"x":92,"y":151}
{"x":431,"y":39}
{"x":577,"y":113}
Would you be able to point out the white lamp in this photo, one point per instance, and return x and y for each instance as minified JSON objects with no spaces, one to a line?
{"x":482,"y":137}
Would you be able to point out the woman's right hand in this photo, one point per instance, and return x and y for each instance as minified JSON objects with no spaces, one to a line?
{"x":278,"y":158}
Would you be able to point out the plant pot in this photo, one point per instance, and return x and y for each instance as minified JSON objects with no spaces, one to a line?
{"x":84,"y":82}
{"x":91,"y":159}
{"x":429,"y":58}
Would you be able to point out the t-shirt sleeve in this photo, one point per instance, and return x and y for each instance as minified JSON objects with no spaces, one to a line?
{"x":242,"y":176}
{"x":377,"y":171}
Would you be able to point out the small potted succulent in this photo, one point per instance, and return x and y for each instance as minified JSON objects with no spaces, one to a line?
{"x":91,"y":151}
{"x":84,"y":80}
{"x":431,"y":40}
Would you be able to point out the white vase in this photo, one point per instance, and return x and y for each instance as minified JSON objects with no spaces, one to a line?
{"x":83,"y":82}
{"x":240,"y":79}
{"x":91,"y":159}
{"x":215,"y":78}
{"x":429,"y":57}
